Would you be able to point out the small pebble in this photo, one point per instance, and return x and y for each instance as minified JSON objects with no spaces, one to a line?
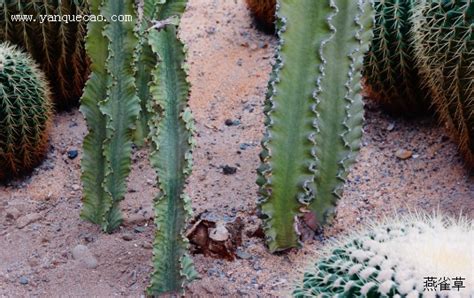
{"x":23,"y":280}
{"x":72,"y":154}
{"x":230,"y":122}
{"x":139,"y":229}
{"x":228,"y":170}
{"x":403,"y":154}
{"x":127,"y":237}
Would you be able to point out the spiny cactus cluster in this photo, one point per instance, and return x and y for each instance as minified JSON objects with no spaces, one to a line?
{"x":314,"y":114}
{"x":445,"y":52}
{"x":58,"y":46}
{"x":264,"y":13}
{"x":390,"y":71}
{"x":393,"y":259}
{"x":25,"y":113}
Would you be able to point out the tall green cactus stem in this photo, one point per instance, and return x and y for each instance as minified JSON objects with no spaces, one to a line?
{"x":171,"y":133}
{"x":58,"y":46}
{"x":25,"y":113}
{"x":314,"y":113}
{"x":145,"y":60}
{"x":390,"y":70}
{"x":394,"y":259}
{"x":444,"y":42}
{"x":111,"y":107}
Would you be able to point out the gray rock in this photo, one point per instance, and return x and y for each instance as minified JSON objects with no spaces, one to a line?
{"x":82,"y":254}
{"x":242,"y":254}
{"x":12,"y":213}
{"x":219,"y":233}
{"x":23,"y":280}
{"x":127,"y":237}
{"x":25,"y":220}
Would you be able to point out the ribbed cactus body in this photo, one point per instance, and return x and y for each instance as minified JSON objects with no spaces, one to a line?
{"x":171,"y":136}
{"x":394,"y":259}
{"x":264,"y":13}
{"x":444,"y":41}
{"x":314,"y":114}
{"x":25,"y":113}
{"x":390,"y":71}
{"x":57,"y":45}
{"x":111,"y":108}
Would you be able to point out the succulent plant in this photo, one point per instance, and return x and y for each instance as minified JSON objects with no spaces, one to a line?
{"x":25,"y":113}
{"x":390,"y":71}
{"x":171,"y":135}
{"x":58,"y":46}
{"x":444,"y":42}
{"x":264,"y":13}
{"x":314,"y":113}
{"x":396,"y":259}
{"x":111,"y":107}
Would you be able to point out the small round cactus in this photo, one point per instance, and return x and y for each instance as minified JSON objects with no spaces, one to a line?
{"x":25,"y":113}
{"x":390,"y":72}
{"x":444,"y":43}
{"x":264,"y":13}
{"x":395,"y":259}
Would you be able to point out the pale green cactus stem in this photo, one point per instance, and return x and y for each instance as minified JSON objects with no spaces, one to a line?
{"x":171,"y":135}
{"x":314,"y":112}
{"x":393,"y":259}
{"x":111,"y":107}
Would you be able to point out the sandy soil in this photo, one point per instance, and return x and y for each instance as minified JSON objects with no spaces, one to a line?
{"x":229,"y":66}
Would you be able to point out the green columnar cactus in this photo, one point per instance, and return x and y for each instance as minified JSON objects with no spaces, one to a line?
{"x":390,"y":70}
{"x":264,"y":13}
{"x":444,"y":42}
{"x":58,"y":46}
{"x":394,"y":259}
{"x":314,"y":113}
{"x":25,"y":113}
{"x":111,"y":107}
{"x":171,"y":134}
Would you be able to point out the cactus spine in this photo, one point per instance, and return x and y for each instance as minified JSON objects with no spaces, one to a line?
{"x":111,"y":107}
{"x":389,"y":69}
{"x":314,"y":113}
{"x":58,"y":46}
{"x":25,"y":113}
{"x":444,"y":41}
{"x":171,"y":134}
{"x":393,"y":259}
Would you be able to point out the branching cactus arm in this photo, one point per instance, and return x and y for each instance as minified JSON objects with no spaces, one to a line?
{"x":95,"y":199}
{"x":339,"y":106}
{"x":111,"y":107}
{"x":171,"y":133}
{"x":314,"y":113}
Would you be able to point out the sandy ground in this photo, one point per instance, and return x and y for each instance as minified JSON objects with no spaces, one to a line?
{"x":229,"y":66}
